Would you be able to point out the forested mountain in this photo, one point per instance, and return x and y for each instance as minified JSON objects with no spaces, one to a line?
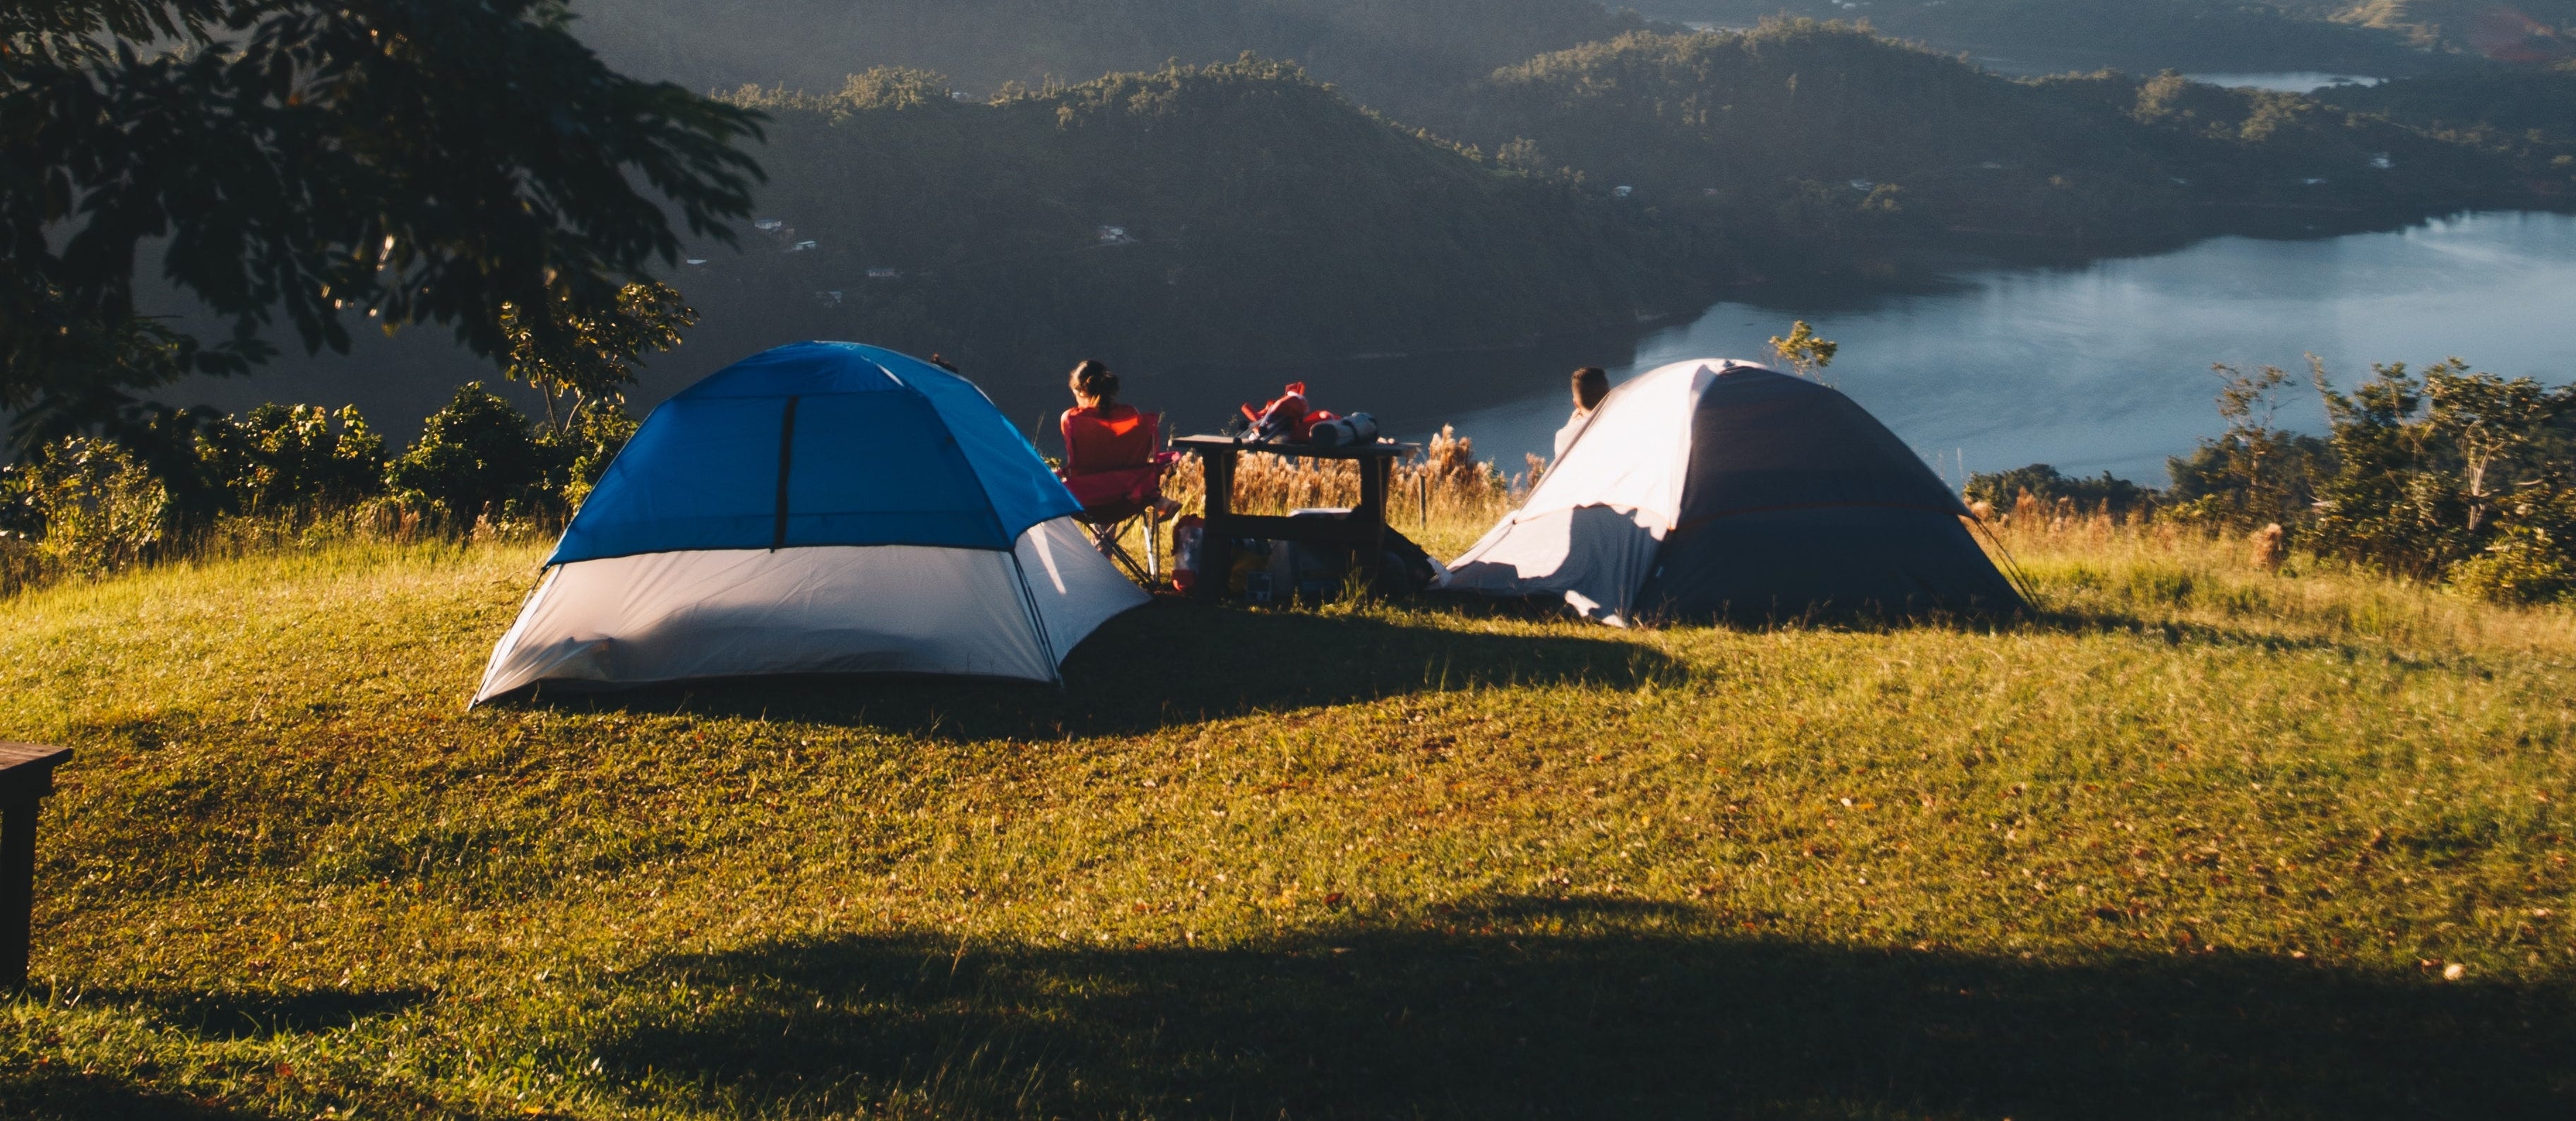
{"x":1799,"y":133}
{"x":1191,"y":214}
{"x":2522,"y":31}
{"x":1229,"y":214}
{"x":2523,"y":106}
{"x":2375,"y":37}
{"x":1388,"y":53}
{"x":1242,"y":213}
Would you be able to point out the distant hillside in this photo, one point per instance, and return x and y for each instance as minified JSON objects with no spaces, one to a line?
{"x":2145,"y":36}
{"x":1226,"y":213}
{"x":1388,"y":53}
{"x":1241,"y":213}
{"x":2520,"y":32}
{"x":1801,"y":133}
{"x":2509,"y":108}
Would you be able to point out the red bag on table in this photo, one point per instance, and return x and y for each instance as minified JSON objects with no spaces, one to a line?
{"x":1287,"y":419}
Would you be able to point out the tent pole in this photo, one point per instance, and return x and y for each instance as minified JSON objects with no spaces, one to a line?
{"x":2012,"y":568}
{"x":1037,"y":623}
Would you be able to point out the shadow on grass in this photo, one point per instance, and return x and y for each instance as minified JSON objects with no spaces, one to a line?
{"x":1171,"y":663}
{"x":245,"y":1083}
{"x":257,"y":1015}
{"x":1872,"y":621}
{"x":1866,"y":617}
{"x":1178,"y":662}
{"x":2189,"y":633}
{"x":63,"y":1095}
{"x":1488,"y":1013}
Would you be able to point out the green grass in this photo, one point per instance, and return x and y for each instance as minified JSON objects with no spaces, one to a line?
{"x":2200,"y":841}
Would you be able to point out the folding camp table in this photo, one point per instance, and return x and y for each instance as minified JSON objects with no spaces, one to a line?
{"x":1363,"y":530}
{"x":26,"y":777}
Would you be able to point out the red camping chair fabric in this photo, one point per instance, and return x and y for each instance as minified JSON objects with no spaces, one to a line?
{"x":1114,"y":465}
{"x":1111,"y":439}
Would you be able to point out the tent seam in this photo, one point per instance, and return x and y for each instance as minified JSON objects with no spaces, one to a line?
{"x":1722,"y":515}
{"x":1010,"y":543}
{"x":786,"y":459}
{"x":1037,"y":620}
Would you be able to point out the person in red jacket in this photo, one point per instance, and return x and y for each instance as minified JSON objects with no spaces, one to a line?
{"x":1100,"y":434}
{"x":1110,"y":449}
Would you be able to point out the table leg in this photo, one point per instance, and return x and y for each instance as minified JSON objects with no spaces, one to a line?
{"x":1216,"y":549}
{"x":1373,"y":480}
{"x":17,"y":889}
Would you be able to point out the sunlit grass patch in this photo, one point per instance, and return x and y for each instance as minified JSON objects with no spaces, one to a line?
{"x":2196,"y":838}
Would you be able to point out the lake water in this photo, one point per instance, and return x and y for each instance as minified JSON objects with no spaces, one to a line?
{"x":2106,"y":367}
{"x":2102,"y":367}
{"x":2292,"y":81}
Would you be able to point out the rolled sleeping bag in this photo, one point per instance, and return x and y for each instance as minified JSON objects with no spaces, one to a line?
{"x":1357,"y":428}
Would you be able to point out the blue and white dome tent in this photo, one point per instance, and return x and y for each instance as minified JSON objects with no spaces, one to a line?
{"x":818,"y":508}
{"x":1715,"y":488}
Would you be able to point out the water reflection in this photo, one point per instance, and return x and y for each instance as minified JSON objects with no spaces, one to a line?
{"x":2105,"y":367}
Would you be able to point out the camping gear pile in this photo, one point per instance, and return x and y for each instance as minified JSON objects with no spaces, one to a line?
{"x":1265,"y":571}
{"x":1288,"y":419}
{"x":1715,"y":488}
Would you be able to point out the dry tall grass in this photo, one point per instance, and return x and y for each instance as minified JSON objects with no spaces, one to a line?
{"x":1445,"y":482}
{"x":2167,"y":571}
{"x":27,"y":563}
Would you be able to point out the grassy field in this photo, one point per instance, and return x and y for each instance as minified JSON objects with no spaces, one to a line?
{"x":2200,"y":840}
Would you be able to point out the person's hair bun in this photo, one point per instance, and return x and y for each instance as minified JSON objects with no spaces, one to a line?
{"x":1093,"y":379}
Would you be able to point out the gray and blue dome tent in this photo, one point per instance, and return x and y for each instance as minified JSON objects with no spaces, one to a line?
{"x":1715,"y":488}
{"x":817,"y":508}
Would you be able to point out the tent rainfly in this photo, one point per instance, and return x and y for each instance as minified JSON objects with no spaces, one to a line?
{"x":1716,"y":488}
{"x":818,"y":508}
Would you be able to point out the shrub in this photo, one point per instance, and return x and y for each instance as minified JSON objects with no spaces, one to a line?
{"x":2430,"y":471}
{"x":580,"y":360}
{"x":88,"y":507}
{"x":2254,"y":474}
{"x":2530,"y":559}
{"x":19,"y":515}
{"x":474,"y":455}
{"x":584,"y":453}
{"x":2446,"y":474}
{"x":2522,"y":567}
{"x":289,"y":458}
{"x":2004,"y":489}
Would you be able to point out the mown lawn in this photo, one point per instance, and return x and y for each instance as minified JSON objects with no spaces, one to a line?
{"x":2199,"y":841}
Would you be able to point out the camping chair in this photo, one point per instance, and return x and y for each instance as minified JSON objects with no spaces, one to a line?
{"x":1115,"y":469}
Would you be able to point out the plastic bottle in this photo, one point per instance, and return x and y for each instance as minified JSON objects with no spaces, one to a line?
{"x":1187,"y":535}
